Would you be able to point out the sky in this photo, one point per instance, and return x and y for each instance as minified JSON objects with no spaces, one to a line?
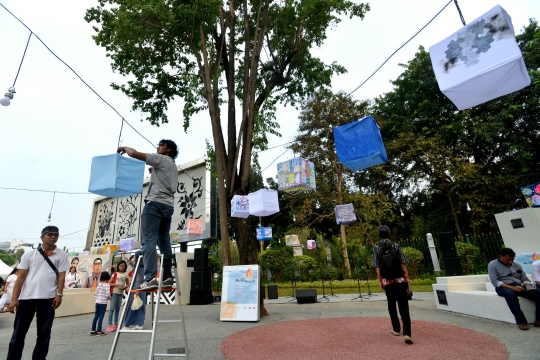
{"x":56,"y":124}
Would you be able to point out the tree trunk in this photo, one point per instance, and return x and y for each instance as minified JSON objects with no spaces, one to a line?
{"x":345,"y":253}
{"x":245,"y":239}
{"x":454,"y":214}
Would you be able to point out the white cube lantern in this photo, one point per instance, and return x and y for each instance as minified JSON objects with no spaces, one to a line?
{"x":480,"y":62}
{"x":263,"y":202}
{"x":296,"y":175}
{"x":240,"y":206}
{"x":345,"y":214}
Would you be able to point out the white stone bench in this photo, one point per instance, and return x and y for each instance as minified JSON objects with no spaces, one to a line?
{"x":475,"y":295}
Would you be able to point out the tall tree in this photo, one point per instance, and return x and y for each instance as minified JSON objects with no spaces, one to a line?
{"x":436,"y":149}
{"x":315,"y":141}
{"x":211,"y":53}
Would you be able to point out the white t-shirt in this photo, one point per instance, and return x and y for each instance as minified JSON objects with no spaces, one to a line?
{"x":11,"y":280}
{"x":40,"y":282}
{"x":535,"y":271}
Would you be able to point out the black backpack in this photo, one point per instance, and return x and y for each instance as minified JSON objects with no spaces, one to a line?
{"x":389,"y":261}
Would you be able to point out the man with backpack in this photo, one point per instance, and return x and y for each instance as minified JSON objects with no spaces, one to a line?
{"x":391,"y":266}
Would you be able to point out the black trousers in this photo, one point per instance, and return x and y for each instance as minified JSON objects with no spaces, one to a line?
{"x":44,"y":312}
{"x":397,"y":293}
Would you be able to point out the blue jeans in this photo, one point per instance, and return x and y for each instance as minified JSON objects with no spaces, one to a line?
{"x":98,"y":317}
{"x":512,"y":300}
{"x":44,"y":312}
{"x":155,"y":228}
{"x":116,"y":301}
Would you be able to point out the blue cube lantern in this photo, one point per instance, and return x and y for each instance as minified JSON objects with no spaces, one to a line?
{"x":115,"y":176}
{"x":359,"y":144}
{"x":264,"y":233}
{"x":296,"y":175}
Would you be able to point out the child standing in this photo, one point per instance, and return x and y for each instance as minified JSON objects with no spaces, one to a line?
{"x":118,"y":285}
{"x":102,"y":294}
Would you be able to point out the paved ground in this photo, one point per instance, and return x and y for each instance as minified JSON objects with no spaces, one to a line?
{"x":205,"y":332}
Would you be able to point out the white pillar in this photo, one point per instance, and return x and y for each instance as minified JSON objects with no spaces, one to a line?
{"x":433,"y":252}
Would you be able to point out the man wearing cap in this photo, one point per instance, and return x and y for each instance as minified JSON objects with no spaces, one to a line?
{"x":38,"y":290}
{"x":391,"y":266}
{"x":157,"y":214}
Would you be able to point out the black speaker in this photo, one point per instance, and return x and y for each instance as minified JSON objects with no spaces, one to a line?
{"x":306,"y":296}
{"x":446,"y":242}
{"x":201,"y":260}
{"x":452,"y":266}
{"x":272,"y":292}
{"x":201,"y":280}
{"x":200,"y":297}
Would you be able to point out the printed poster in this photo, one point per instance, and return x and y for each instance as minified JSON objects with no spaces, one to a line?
{"x":525,"y":259}
{"x":240,"y":293}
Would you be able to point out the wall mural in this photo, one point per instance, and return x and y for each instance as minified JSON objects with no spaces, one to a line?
{"x":187,"y":203}
{"x":104,"y":227}
{"x":127,"y":217}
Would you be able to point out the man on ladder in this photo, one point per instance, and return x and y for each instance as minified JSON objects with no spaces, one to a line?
{"x":157,"y":213}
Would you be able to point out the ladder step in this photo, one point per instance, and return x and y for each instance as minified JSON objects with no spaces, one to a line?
{"x":169,"y":321}
{"x":134,"y":331}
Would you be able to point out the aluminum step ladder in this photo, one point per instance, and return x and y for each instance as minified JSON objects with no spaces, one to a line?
{"x":166,"y":259}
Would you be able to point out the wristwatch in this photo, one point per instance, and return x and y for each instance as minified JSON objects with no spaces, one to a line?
{"x":61,"y":295}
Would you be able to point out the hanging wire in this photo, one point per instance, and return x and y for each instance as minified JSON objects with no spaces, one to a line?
{"x":50,"y":212}
{"x":69,"y":67}
{"x":460,"y":14}
{"x":120,"y":135}
{"x":46,"y":191}
{"x":27,"y":42}
{"x":406,"y":42}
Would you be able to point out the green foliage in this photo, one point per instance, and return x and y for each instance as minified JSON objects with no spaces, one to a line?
{"x":306,"y":267}
{"x":19,"y":253}
{"x":414,"y":258}
{"x":7,"y":259}
{"x":276,"y":259}
{"x":468,"y":254}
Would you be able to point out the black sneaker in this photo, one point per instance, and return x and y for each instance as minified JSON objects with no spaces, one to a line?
{"x":148,"y":285}
{"x":101,"y":333}
{"x":168,"y":283}
{"x":93,"y":333}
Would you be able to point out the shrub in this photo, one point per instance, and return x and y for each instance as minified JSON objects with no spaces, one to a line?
{"x":7,"y":259}
{"x":414,"y":258}
{"x":468,"y":254}
{"x":306,"y":267}
{"x":276,"y":259}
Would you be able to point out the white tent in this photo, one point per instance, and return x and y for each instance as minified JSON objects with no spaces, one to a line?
{"x":5,"y":270}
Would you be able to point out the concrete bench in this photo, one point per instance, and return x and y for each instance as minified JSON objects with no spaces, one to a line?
{"x":475,"y":295}
{"x":77,"y":302}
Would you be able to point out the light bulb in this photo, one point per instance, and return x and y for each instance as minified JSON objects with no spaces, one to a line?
{"x":5,"y":101}
{"x":49,"y":219}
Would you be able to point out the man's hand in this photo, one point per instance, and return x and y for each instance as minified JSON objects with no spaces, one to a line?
{"x":121,"y":150}
{"x":518,"y":288}
{"x":150,"y":169}
{"x":57,"y":302}
{"x":14,"y":304}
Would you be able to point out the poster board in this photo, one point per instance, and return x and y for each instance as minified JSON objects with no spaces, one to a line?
{"x":240,"y":293}
{"x":87,"y":264}
{"x":526,"y":259}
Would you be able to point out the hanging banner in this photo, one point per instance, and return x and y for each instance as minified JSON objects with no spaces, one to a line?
{"x":240,"y":293}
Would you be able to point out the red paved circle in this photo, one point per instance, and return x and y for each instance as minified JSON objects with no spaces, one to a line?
{"x":359,"y":338}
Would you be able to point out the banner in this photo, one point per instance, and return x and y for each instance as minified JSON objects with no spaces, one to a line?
{"x":240,"y":293}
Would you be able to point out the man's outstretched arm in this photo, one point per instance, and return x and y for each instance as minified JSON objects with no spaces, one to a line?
{"x":131,"y":153}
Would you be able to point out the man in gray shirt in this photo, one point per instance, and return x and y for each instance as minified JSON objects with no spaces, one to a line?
{"x":157,"y":213}
{"x":509,"y":280}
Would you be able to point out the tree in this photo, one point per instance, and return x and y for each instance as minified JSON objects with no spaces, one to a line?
{"x":7,"y":259}
{"x":315,"y":141}
{"x":19,"y":253}
{"x":212,"y":53}
{"x":438,"y":152}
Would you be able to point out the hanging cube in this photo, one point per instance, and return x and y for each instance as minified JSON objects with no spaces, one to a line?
{"x":345,"y":214}
{"x":359,"y":144}
{"x":291,"y":240}
{"x":311,"y":244}
{"x":127,"y":244}
{"x":532,"y":194}
{"x":116,"y":176}
{"x":296,"y":175}
{"x":240,"y":206}
{"x":263,"y":202}
{"x":264,"y":233}
{"x":195,"y":227}
{"x":480,"y":62}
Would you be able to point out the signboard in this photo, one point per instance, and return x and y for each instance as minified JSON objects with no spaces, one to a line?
{"x":240,"y":293}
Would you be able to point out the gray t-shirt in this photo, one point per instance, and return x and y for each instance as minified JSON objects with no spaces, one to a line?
{"x":163,"y":180}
